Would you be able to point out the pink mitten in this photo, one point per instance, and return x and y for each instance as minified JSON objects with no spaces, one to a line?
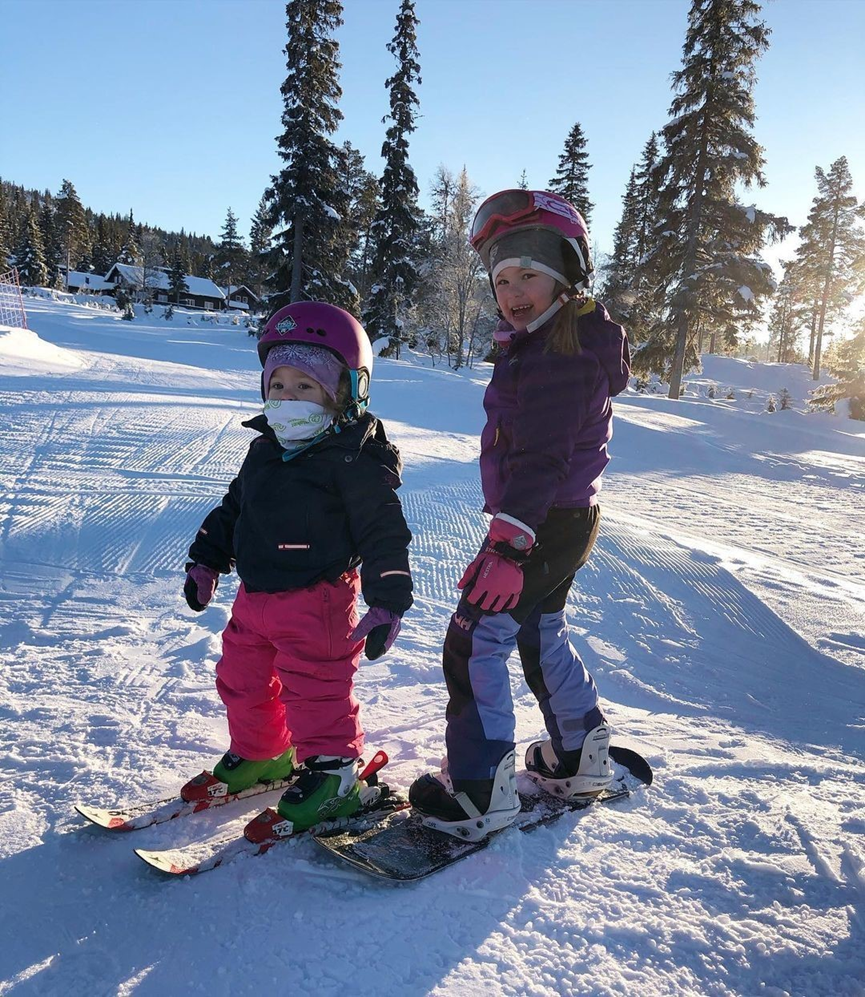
{"x":200,"y":585}
{"x":494,"y":579}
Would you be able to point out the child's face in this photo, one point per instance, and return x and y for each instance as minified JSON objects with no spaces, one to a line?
{"x":523,"y":295}
{"x":293,"y":385}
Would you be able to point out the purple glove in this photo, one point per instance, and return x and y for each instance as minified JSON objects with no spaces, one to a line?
{"x":494,"y":579}
{"x":380,"y":627}
{"x":200,"y":585}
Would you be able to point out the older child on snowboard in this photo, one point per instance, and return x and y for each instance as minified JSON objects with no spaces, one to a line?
{"x":314,"y":500}
{"x":543,"y":451}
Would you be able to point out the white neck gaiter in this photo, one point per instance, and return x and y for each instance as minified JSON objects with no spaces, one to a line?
{"x":296,"y":423}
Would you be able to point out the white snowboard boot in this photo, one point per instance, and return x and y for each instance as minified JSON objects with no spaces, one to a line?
{"x":592,"y":776}
{"x":456,"y":813}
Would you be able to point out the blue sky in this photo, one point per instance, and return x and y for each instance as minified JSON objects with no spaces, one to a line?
{"x":171,"y":107}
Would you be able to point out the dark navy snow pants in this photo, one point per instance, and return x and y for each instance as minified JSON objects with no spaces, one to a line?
{"x":480,"y":713}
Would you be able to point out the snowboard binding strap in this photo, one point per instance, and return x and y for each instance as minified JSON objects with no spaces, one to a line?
{"x":478,"y":825}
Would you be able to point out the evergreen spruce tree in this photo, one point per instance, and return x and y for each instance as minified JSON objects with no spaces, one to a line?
{"x":714,"y":278}
{"x":231,"y":259}
{"x":616,"y":291}
{"x":130,"y":253}
{"x":782,"y":322}
{"x":205,"y":266}
{"x":364,"y":198}
{"x":832,"y":249}
{"x":151,"y":276}
{"x":85,"y":262}
{"x":16,"y":212}
{"x":52,"y":243}
{"x":397,"y":224}
{"x":846,"y":362}
{"x":803,"y":274}
{"x":307,"y":201}
{"x":646,"y":210}
{"x":183,"y":248}
{"x":102,"y":256}
{"x":5,"y":234}
{"x":572,"y":175}
{"x":632,"y":289}
{"x":646,"y":287}
{"x":29,"y":254}
{"x":177,"y":278}
{"x":523,"y":183}
{"x":71,"y":225}
{"x":260,"y":234}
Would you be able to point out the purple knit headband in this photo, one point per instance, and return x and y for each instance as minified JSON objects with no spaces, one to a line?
{"x":316,"y":362}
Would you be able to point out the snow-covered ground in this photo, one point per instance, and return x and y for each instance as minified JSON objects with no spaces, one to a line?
{"x":722,"y":615}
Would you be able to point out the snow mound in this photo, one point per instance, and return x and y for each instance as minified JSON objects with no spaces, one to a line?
{"x":751,"y":375}
{"x":22,"y":352}
{"x":748,"y":385}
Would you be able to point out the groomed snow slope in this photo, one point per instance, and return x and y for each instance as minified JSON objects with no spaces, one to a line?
{"x":722,"y":616}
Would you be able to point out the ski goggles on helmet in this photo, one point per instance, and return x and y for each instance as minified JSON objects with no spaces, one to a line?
{"x":501,"y":209}
{"x":512,"y":207}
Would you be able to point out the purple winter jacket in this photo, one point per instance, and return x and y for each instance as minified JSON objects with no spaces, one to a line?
{"x":549,"y":419}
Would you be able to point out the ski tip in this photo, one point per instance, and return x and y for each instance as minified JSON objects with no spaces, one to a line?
{"x":163,"y":862}
{"x":102,"y":818}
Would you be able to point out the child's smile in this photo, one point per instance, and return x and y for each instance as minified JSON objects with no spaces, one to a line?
{"x":523,"y":294}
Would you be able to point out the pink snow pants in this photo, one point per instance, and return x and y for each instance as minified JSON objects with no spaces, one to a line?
{"x":287,"y":669}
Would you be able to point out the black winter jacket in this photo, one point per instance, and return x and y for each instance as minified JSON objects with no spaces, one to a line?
{"x":288,"y":524}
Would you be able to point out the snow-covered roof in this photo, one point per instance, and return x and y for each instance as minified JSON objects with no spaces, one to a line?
{"x":92,"y":281}
{"x":231,"y":288}
{"x":202,"y":286}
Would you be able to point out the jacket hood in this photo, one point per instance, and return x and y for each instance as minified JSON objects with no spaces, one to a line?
{"x":609,"y":342}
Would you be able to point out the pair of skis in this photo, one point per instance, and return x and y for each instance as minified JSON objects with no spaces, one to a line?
{"x":385,"y":838}
{"x":260,"y":834}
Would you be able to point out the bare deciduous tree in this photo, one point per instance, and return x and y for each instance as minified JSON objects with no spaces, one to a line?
{"x":458,"y":304}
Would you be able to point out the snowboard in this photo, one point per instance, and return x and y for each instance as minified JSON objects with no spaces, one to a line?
{"x":400,"y":849}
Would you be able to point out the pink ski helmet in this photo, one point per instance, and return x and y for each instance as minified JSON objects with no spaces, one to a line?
{"x":532,"y":211}
{"x":315,"y":323}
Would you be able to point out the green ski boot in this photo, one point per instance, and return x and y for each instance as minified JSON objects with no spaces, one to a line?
{"x":233,"y":774}
{"x":240,"y":773}
{"x":327,"y":788}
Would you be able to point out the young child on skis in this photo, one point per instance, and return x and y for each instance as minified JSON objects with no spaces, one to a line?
{"x":543,"y":451}
{"x":315,"y":498}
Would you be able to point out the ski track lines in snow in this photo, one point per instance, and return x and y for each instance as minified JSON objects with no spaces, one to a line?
{"x":131,"y":478}
{"x":739,"y":873}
